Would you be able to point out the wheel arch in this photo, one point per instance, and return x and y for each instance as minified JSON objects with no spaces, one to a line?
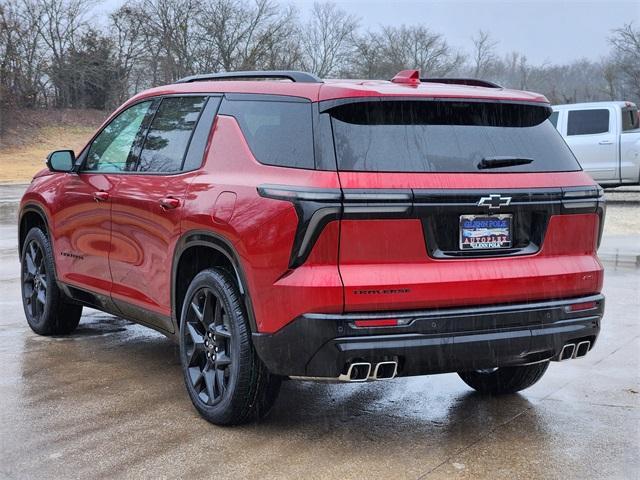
{"x":31,"y":215}
{"x":199,"y":249}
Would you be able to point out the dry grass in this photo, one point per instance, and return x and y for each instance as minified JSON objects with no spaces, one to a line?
{"x":33,"y":134}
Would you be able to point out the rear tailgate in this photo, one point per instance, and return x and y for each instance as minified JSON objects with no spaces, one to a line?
{"x":458,"y":235}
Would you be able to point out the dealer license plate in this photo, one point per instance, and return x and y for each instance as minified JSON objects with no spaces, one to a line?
{"x":485,"y":232}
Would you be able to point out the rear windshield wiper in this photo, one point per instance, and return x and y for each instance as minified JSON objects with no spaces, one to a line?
{"x":499,"y":162}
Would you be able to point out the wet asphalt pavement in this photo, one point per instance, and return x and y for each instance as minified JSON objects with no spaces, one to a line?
{"x":109,"y":402}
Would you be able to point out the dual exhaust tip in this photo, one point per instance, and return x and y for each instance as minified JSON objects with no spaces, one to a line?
{"x":573,"y":350}
{"x":365,"y":371}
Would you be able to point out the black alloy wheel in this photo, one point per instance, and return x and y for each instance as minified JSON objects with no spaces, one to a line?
{"x":34,"y":281}
{"x":208,"y":341}
{"x":48,"y":310}
{"x":225,"y":378}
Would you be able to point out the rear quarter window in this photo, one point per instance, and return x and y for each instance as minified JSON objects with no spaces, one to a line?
{"x":588,"y":122}
{"x":279,"y":133}
{"x":630,"y":119}
{"x":423,"y":136}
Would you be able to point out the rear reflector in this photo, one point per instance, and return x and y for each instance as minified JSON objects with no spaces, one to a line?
{"x":385,"y":322}
{"x":578,"y":307}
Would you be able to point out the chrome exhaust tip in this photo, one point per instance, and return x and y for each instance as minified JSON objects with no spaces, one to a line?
{"x":582,"y":348}
{"x":385,"y":370}
{"x":357,"y":372}
{"x":567,"y":352}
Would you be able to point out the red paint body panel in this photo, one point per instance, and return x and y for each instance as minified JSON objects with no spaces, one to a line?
{"x":261,"y":230}
{"x":80,"y":226}
{"x":144,"y":236}
{"x":463,"y":180}
{"x":565,"y":267}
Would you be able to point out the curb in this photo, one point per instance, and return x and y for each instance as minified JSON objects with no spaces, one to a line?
{"x":618,"y":258}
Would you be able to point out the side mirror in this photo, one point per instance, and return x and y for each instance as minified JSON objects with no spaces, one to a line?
{"x":61,"y":161}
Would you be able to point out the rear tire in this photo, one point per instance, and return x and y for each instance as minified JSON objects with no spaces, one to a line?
{"x":45,"y":306}
{"x":226,"y":380}
{"x":504,"y":380}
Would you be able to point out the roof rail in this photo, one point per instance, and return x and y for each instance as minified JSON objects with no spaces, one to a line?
{"x":472,"y":82}
{"x":294,"y":76}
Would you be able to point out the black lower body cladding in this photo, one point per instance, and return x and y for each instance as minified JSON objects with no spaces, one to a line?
{"x":433,"y":341}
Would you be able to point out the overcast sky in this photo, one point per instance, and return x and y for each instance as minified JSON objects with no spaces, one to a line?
{"x":554,"y":31}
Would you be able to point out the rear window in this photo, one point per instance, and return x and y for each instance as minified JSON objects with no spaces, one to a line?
{"x":630,"y":119}
{"x":278,"y":132}
{"x":554,"y":119}
{"x":423,"y":136}
{"x":588,"y":122}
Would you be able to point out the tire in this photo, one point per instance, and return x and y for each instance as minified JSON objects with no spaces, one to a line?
{"x":47,"y":310}
{"x":227,"y":382}
{"x":504,"y":380}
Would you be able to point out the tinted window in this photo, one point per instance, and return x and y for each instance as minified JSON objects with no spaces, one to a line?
{"x":630,"y":119}
{"x":554,"y":119}
{"x":446,"y":137}
{"x":111,"y":149}
{"x":169,"y":134}
{"x":278,"y":132}
{"x":588,"y":122}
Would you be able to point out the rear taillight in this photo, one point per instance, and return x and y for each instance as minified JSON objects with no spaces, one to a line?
{"x":589,"y":199}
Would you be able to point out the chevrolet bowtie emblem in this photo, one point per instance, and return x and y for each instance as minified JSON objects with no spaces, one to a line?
{"x":494,"y":201}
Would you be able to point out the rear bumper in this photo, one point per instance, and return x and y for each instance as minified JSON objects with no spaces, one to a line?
{"x":432,"y":341}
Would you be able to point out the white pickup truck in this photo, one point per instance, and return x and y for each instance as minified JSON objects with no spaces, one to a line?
{"x":604,"y":137}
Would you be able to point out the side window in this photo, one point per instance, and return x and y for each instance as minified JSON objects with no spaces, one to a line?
{"x":554,"y":119}
{"x":630,"y":119}
{"x":279,"y":133}
{"x":588,"y":122}
{"x":111,"y":149}
{"x":169,"y":134}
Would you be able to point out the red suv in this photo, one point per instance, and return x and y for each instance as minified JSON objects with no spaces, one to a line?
{"x":340,"y":230}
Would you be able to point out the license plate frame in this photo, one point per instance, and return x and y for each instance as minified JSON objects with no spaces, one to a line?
{"x":485,"y":232}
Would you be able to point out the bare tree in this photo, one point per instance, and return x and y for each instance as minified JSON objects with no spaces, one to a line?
{"x":484,"y":55}
{"x":626,"y":54}
{"x":171,"y":37}
{"x":127,"y":27}
{"x":51,"y":55}
{"x":61,"y":24}
{"x":238,"y":35}
{"x":326,"y":40}
{"x":366,"y":61}
{"x":416,"y":47}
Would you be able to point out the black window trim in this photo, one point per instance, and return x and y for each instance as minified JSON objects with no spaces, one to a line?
{"x":156,"y":100}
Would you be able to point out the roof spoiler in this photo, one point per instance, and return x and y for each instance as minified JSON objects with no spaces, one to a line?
{"x":471,"y":82}
{"x":293,"y":75}
{"x":412,"y":77}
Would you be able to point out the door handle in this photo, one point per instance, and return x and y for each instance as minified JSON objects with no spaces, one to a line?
{"x":101,"y":196}
{"x":605,"y":142}
{"x":169,"y":203}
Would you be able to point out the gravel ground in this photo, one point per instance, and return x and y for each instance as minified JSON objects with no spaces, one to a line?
{"x":622,"y":219}
{"x":623,"y":194}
